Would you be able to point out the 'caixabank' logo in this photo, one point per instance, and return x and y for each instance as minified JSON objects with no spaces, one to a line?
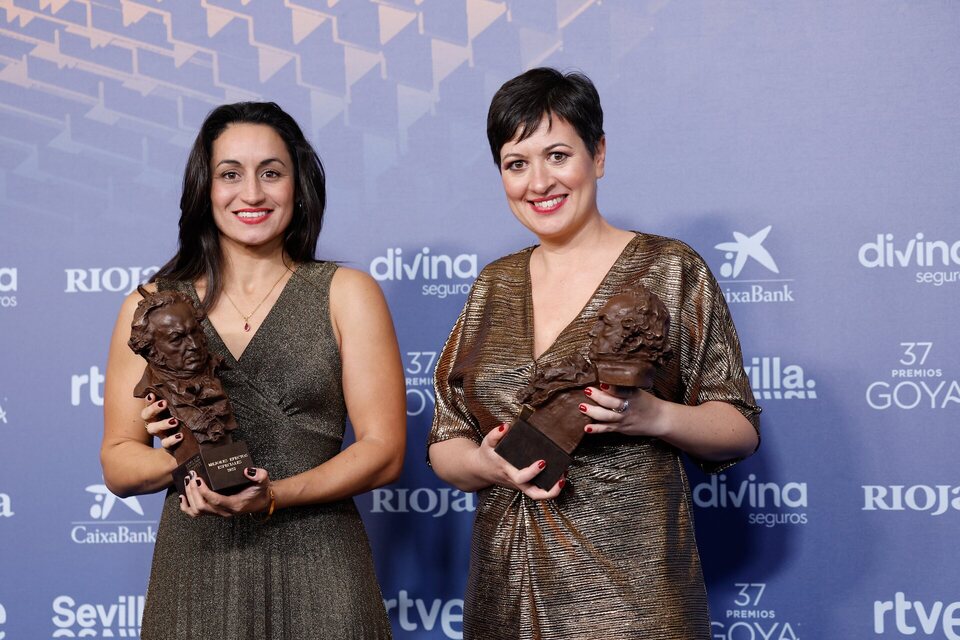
{"x":749,"y":273}
{"x":113,"y":520}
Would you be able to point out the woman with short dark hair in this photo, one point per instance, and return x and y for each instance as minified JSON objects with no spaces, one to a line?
{"x":306,"y":344}
{"x":608,"y":551}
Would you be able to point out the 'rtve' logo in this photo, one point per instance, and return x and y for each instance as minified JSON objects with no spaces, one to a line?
{"x":94,"y":383}
{"x":907,"y":616}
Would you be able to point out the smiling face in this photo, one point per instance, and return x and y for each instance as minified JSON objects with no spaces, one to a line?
{"x":178,"y":342}
{"x":252,"y":185}
{"x":550,"y":180}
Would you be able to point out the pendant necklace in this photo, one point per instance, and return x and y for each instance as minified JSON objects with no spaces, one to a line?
{"x":246,"y":318}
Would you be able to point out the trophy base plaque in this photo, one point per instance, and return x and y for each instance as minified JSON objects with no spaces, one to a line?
{"x":524,"y":444}
{"x":220,"y":466}
{"x":625,"y":375}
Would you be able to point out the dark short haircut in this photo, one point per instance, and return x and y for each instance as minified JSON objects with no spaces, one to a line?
{"x":198,"y":253}
{"x":520,"y":104}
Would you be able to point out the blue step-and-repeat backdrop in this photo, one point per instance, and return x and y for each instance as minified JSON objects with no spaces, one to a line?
{"x":809,"y":150}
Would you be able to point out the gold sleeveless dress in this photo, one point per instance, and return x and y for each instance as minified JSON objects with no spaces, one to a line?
{"x":308,"y":572}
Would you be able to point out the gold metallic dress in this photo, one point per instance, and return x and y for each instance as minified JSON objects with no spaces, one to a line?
{"x":614,"y":555}
{"x":307,"y":574}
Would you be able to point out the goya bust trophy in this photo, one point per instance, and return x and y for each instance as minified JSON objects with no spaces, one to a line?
{"x":629,"y":340}
{"x":180,"y":369}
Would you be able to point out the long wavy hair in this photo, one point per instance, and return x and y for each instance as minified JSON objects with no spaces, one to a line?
{"x":198,"y":252}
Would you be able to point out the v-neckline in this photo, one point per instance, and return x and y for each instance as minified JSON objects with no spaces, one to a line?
{"x":267,"y":319}
{"x":529,"y":319}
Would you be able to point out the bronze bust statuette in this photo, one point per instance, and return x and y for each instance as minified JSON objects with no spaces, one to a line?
{"x":629,"y":341}
{"x":180,"y":369}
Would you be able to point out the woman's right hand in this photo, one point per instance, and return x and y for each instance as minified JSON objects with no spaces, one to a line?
{"x":161,"y":427}
{"x":500,"y":472}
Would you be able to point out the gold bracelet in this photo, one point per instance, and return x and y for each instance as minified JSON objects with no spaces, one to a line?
{"x":269,"y":510}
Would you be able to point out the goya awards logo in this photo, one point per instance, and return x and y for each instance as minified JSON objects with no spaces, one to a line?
{"x":435,"y":502}
{"x":769,"y":503}
{"x":113,"y":520}
{"x":442,"y":275}
{"x":932,"y":262}
{"x":113,"y":279}
{"x":749,"y":617}
{"x":6,"y":506}
{"x":771,"y":379}
{"x":904,"y":617}
{"x":418,"y":367}
{"x":8,"y":287}
{"x":915,"y":382}
{"x":934,"y":500}
{"x":416,"y":614}
{"x":746,"y":255}
{"x":118,"y":619}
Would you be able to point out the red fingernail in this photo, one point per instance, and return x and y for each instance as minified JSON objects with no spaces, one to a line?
{"x":562,"y":483}
{"x":501,"y":427}
{"x":162,"y":404}
{"x":588,"y":391}
{"x":588,"y":429}
{"x":198,"y":482}
{"x":542,"y":464}
{"x":172,"y":421}
{"x":251,"y":471}
{"x":583,"y":408}
{"x":186,"y":481}
{"x":179,"y":436}
{"x":604,"y":386}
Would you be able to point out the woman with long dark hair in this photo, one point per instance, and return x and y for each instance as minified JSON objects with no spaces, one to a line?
{"x":306,"y":343}
{"x":608,"y":551}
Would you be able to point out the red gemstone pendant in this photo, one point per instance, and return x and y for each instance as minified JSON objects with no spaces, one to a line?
{"x":246,"y":326}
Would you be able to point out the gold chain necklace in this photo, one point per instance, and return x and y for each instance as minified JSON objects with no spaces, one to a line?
{"x":246,"y":318}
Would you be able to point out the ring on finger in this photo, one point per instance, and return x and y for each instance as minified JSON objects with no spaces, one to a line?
{"x":623,"y":407}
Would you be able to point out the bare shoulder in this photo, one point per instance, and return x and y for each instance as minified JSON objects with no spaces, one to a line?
{"x":358,"y":308}
{"x":351,"y":287}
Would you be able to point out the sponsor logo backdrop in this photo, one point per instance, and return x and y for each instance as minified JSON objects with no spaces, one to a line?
{"x":807,"y":150}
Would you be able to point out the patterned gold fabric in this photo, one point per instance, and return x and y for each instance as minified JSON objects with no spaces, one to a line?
{"x":614,"y":556}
